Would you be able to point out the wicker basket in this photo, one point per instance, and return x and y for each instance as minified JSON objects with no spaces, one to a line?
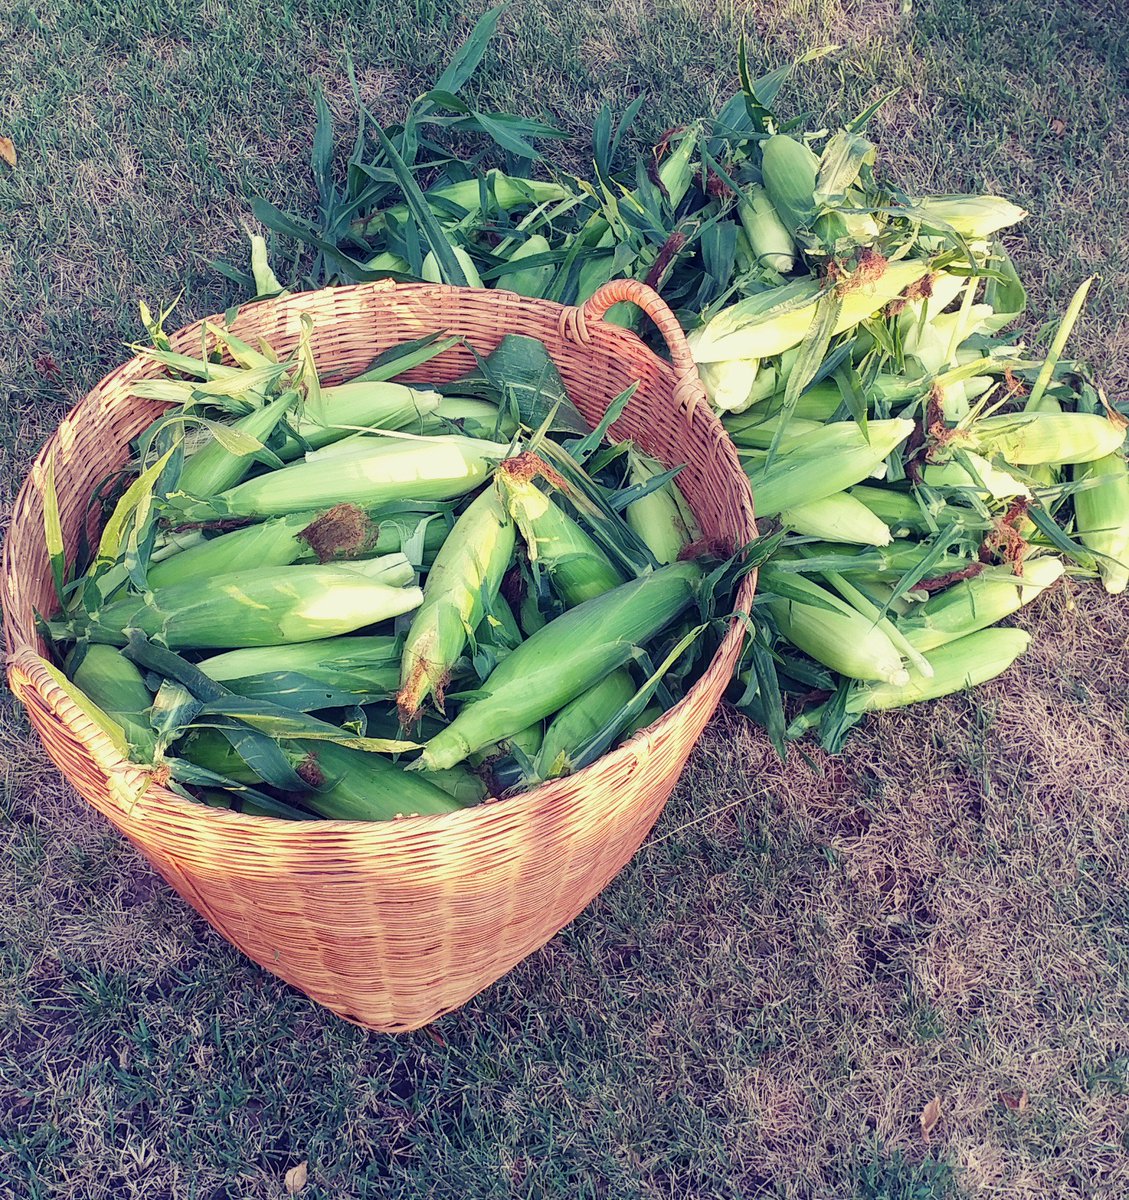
{"x":392,"y":924}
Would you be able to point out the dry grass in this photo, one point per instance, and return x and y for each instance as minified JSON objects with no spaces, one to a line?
{"x":804,"y":956}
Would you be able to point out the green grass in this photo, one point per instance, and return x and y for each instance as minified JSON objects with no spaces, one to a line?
{"x":802,"y":957}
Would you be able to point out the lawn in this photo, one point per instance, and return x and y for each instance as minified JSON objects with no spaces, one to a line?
{"x":804,"y":956}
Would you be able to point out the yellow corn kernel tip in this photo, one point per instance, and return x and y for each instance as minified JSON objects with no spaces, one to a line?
{"x":957,"y":667}
{"x":662,"y":519}
{"x":1044,"y":437}
{"x":1101,"y":513}
{"x":563,"y":659}
{"x":838,"y":518}
{"x":432,"y":274}
{"x":829,"y":630}
{"x":970,"y":216}
{"x":974,"y":604}
{"x":769,"y":239}
{"x":463,"y":582}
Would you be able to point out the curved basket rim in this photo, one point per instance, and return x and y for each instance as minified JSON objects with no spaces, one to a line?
{"x":24,"y":655}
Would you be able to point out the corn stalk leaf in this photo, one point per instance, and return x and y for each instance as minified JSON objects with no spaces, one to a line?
{"x":450,"y":269}
{"x":183,"y":771}
{"x":466,"y":59}
{"x":843,"y":158}
{"x":761,"y":700}
{"x":404,"y":357}
{"x":811,"y":354}
{"x":114,"y":534}
{"x":53,"y":533}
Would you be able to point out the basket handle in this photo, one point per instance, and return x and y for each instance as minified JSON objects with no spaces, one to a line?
{"x":688,"y":388}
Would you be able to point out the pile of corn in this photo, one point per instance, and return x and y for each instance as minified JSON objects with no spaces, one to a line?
{"x":372,"y":600}
{"x":926,"y":472}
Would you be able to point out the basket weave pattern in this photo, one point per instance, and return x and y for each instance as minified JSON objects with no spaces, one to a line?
{"x":392,"y":924}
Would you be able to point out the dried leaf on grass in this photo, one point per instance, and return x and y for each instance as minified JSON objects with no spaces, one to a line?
{"x":296,"y":1178}
{"x":1015,"y":1103}
{"x":8,"y":151}
{"x":930,"y":1118}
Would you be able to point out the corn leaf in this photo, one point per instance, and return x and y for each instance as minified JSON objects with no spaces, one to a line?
{"x":53,"y":533}
{"x":404,"y":357}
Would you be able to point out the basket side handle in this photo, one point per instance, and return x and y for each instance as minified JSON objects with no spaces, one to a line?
{"x":688,"y":389}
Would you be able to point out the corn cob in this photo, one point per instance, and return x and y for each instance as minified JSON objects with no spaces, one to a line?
{"x":971,"y":216}
{"x":984,"y":480}
{"x":755,"y":430}
{"x":564,"y":659}
{"x":111,"y":728}
{"x":475,"y":418}
{"x":527,"y":740}
{"x":273,"y":543}
{"x":976,"y":603}
{"x":351,"y":785}
{"x":827,"y":461}
{"x":432,"y":274}
{"x":957,"y":666}
{"x":768,"y":236}
{"x":837,"y":518}
{"x":361,"y":786}
{"x":790,"y":173}
{"x":509,"y":191}
{"x":831,"y":631}
{"x":729,"y":382}
{"x":344,"y":663}
{"x":462,"y":583}
{"x":1044,"y":437}
{"x":530,"y":281}
{"x":1102,"y":516}
{"x":115,"y":685}
{"x":267,"y":606}
{"x":579,"y":720}
{"x":213,"y":468}
{"x":367,"y":404}
{"x":900,"y":512}
{"x":392,"y":469}
{"x":662,"y":519}
{"x":387,"y":261}
{"x":462,"y":785}
{"x":578,"y":568}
